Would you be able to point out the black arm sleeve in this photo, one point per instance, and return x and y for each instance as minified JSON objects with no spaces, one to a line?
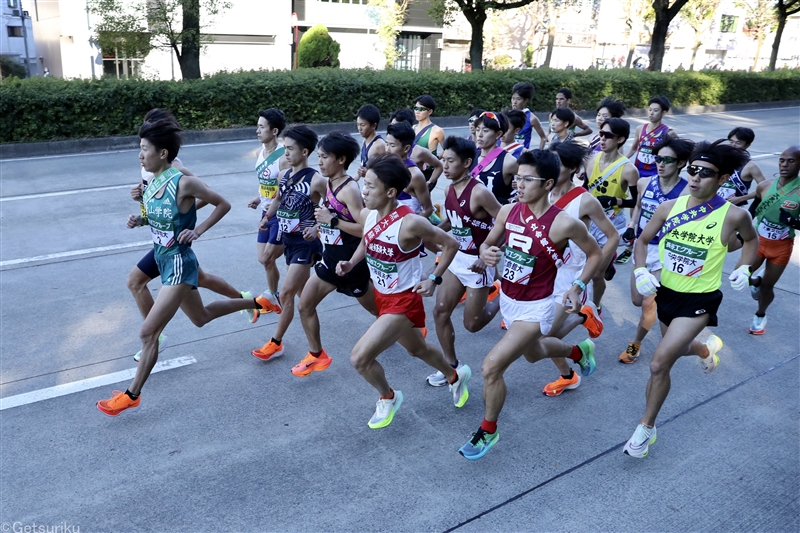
{"x":631,"y":202}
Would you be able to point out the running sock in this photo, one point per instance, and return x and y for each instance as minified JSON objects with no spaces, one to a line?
{"x":276,"y":341}
{"x":390,"y":397}
{"x":762,"y":315}
{"x":755,"y":281}
{"x":315,"y":354}
{"x":576,"y":354}
{"x":454,"y":378}
{"x":455,"y":365}
{"x":258,"y":305}
{"x":131,"y":395}
{"x":570,"y":375}
{"x":489,"y":426}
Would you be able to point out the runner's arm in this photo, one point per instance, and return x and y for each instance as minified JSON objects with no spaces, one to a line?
{"x":350,"y":196}
{"x":585,"y":129}
{"x":752,"y":172}
{"x":510,"y":168}
{"x":486,"y":201}
{"x":420,"y":190}
{"x":637,"y":211}
{"x":537,"y":127}
{"x":426,"y":157}
{"x":635,"y":145}
{"x":378,"y":148}
{"x":196,"y":189}
{"x":420,"y":228}
{"x":594,"y":211}
{"x":744,"y":226}
{"x":490,"y":251}
{"x":272,"y":210}
{"x":343,"y":267}
{"x":445,"y":225}
{"x":575,"y":230}
{"x":649,"y":232}
{"x":436,"y":138}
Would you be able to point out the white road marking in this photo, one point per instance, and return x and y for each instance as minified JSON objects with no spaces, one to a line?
{"x":73,"y":253}
{"x":86,"y":384}
{"x":62,"y":193}
{"x":762,"y":156}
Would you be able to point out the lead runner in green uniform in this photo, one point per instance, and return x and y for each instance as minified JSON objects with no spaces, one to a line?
{"x":171,"y":214}
{"x":694,"y":231}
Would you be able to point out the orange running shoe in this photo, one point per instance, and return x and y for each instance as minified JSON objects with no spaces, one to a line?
{"x":593,"y":322}
{"x":463,"y":298}
{"x":560,"y":385}
{"x":494,"y":292}
{"x":424,"y":332}
{"x":118,"y":403}
{"x":270,"y":302}
{"x":631,"y":354}
{"x":311,"y":364}
{"x":268,"y":351}
{"x":503,"y":325}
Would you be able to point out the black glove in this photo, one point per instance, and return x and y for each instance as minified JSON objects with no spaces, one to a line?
{"x":787,"y":218}
{"x":629,"y":235}
{"x":607,"y":201}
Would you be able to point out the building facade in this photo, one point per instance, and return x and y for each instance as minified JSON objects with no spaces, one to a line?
{"x":16,"y":41}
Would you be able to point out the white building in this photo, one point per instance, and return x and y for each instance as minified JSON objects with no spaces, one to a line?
{"x":16,"y":40}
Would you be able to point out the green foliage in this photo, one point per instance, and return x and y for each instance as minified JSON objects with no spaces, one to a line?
{"x":502,"y":62}
{"x":10,"y":67}
{"x":527,"y":56}
{"x":46,"y":109}
{"x":318,"y":49}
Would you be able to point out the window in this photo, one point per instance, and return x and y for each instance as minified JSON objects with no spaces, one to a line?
{"x":14,"y":31}
{"x":727,"y":23}
{"x":12,"y":3}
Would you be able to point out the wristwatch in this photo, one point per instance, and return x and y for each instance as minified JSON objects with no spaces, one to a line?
{"x":437,"y":280}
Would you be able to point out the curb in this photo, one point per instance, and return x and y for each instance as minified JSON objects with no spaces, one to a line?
{"x":131,"y":142}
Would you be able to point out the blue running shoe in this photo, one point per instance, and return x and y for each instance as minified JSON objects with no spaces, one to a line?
{"x":479,"y":444}
{"x":587,"y":362}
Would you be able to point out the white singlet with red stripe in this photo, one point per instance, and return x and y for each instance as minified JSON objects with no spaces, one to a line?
{"x":392,"y":269}
{"x":574,"y":258}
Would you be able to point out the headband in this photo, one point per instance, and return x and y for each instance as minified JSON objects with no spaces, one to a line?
{"x":708,"y":158}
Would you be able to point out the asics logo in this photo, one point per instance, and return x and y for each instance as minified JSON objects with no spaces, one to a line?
{"x":700,"y":311}
{"x":709,"y":226}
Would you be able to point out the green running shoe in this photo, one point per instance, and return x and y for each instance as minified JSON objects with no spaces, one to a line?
{"x":162,"y":343}
{"x":480,"y":443}
{"x":587,"y":362}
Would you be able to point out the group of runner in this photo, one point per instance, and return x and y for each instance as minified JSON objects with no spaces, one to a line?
{"x":528,"y":232}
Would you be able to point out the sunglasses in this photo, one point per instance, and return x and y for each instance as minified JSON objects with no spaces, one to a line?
{"x":605,"y":134}
{"x":472,"y":120}
{"x":666,"y":159}
{"x":420,"y":108}
{"x":489,"y":114}
{"x":704,"y":172}
{"x":528,"y":179}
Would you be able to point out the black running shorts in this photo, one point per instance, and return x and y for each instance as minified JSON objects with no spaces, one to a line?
{"x":672,"y":304}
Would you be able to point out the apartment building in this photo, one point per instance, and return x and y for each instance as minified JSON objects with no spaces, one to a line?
{"x":16,"y":39}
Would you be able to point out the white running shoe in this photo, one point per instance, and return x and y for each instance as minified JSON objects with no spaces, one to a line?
{"x":162,"y":343}
{"x":437,"y":379}
{"x":759,"y":326}
{"x":711,"y":362}
{"x":459,"y":388}
{"x":639,"y":444}
{"x":385,"y":410}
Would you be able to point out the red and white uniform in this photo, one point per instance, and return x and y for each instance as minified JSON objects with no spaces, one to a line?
{"x":574,"y":258}
{"x":470,"y":232}
{"x":529,"y":268}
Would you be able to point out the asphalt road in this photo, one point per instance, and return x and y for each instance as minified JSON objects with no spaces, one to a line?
{"x":230,"y":443}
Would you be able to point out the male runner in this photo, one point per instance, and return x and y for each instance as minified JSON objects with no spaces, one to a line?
{"x":495,"y":167}
{"x":521,"y":94}
{"x":299,"y":191}
{"x":777,"y":218}
{"x":693,"y":232}
{"x":736,"y":190}
{"x":608,"y":108}
{"x":561,"y":121}
{"x":611,"y":175}
{"x":671,"y":156}
{"x":340,"y":232}
{"x":392,"y":240}
{"x":172,"y":217}
{"x":577,"y":203}
{"x":535,"y":235}
{"x":367,"y":121}
{"x":428,"y":134}
{"x":399,"y":140}
{"x":563,"y":99}
{"x":270,"y":163}
{"x":647,"y":136}
{"x":471,"y":122}
{"x":471,"y":209}
{"x":508,"y":142}
{"x":423,"y":157}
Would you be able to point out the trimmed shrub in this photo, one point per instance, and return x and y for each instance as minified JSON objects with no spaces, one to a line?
{"x":44,"y":109}
{"x":317,"y":49}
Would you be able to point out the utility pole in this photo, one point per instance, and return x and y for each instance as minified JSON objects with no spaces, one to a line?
{"x":22,"y":16}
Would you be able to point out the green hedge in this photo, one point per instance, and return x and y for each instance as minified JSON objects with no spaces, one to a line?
{"x":44,"y":109}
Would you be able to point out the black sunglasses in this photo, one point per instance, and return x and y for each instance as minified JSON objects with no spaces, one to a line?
{"x":605,"y":134}
{"x":704,"y":172}
{"x":666,"y":159}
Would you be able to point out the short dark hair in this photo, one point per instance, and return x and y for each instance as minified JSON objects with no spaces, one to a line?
{"x":340,"y":144}
{"x":463,"y":148}
{"x":302,"y":135}
{"x":403,"y":115}
{"x":164,"y":134}
{"x":546,"y":163}
{"x":743,"y":134}
{"x":476,"y":112}
{"x":275,"y":118}
{"x":619,"y":127}
{"x":571,"y":153}
{"x":615,"y":107}
{"x":682,"y":147}
{"x":403,"y":132}
{"x":497,"y":124}
{"x":722,"y":155}
{"x":661,"y":101}
{"x":426,"y":100}
{"x":566,"y":114}
{"x":516,"y":118}
{"x":370,"y":113}
{"x":566,"y":92}
{"x":524,"y":90}
{"x":159,"y":114}
{"x":391,"y":170}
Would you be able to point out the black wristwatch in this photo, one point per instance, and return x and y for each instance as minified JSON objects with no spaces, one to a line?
{"x":334,"y":220}
{"x":437,"y":280}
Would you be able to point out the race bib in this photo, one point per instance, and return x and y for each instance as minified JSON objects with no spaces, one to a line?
{"x":162,"y":238}
{"x":383,"y":274}
{"x":288,"y":221}
{"x":329,"y":235}
{"x":727,"y":190}
{"x":517,"y":266}
{"x":683,"y":259}
{"x":268,"y":190}
{"x":464,"y":238}
{"x":646,"y":156}
{"x":774,"y":232}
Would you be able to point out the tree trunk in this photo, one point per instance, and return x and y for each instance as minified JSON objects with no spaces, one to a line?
{"x":697,"y":44}
{"x":551,"y":39}
{"x":776,"y":44}
{"x":476,"y":19}
{"x":658,"y":42}
{"x":759,"y":44}
{"x":189,"y":58}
